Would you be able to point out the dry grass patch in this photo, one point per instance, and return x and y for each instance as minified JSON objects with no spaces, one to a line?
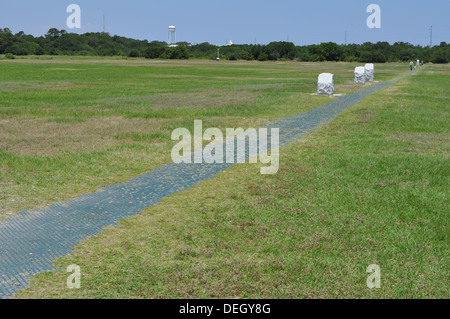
{"x":347,"y":88}
{"x":49,"y":136}
{"x":439,"y":72}
{"x":271,"y":85}
{"x":423,"y":143}
{"x":22,"y":86}
{"x":365,"y":115}
{"x":201,"y":99}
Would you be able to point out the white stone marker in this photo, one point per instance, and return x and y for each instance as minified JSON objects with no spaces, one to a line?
{"x":360,"y":75}
{"x":325,"y":84}
{"x":369,"y":72}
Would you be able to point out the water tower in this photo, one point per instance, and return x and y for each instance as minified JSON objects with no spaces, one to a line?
{"x":172,"y":35}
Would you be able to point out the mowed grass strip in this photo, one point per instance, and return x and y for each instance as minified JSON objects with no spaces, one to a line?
{"x":359,"y":191}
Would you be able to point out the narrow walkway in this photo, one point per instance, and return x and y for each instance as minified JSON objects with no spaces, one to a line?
{"x":31,"y":241}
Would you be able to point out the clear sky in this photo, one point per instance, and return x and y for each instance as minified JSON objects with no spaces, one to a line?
{"x":241,"y":21}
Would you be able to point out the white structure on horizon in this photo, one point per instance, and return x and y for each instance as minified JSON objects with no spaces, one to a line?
{"x":172,"y":35}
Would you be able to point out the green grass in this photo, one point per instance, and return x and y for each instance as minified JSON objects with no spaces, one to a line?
{"x":67,"y":120}
{"x":371,"y":187}
{"x":141,"y":137}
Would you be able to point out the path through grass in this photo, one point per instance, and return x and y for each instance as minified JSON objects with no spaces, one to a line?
{"x":369,"y":188}
{"x":71,"y":125}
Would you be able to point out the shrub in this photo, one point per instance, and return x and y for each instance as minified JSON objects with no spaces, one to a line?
{"x":440,"y":56}
{"x":263,"y":57}
{"x":351,"y":58}
{"x":317,"y":58}
{"x":10,"y":56}
{"x":372,"y":57}
{"x":179,"y":52}
{"x":133,"y":54}
{"x":154,"y":52}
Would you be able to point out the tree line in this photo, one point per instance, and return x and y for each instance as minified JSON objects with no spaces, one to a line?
{"x":60,"y":42}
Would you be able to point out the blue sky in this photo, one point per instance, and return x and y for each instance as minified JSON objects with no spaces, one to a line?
{"x":301,"y":21}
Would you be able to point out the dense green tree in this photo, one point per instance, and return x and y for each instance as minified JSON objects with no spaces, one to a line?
{"x":179,"y":52}
{"x":281,"y":50}
{"x":440,"y":55}
{"x":331,"y":51}
{"x":6,"y":40}
{"x":154,"y":52}
{"x":59,"y":42}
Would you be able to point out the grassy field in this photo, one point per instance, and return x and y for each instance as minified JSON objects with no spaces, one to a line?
{"x":372,"y":187}
{"x":69,"y":126}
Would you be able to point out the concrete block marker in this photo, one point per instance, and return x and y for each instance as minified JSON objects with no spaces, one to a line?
{"x":370,"y":72}
{"x":360,"y":75}
{"x":325,"y":84}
